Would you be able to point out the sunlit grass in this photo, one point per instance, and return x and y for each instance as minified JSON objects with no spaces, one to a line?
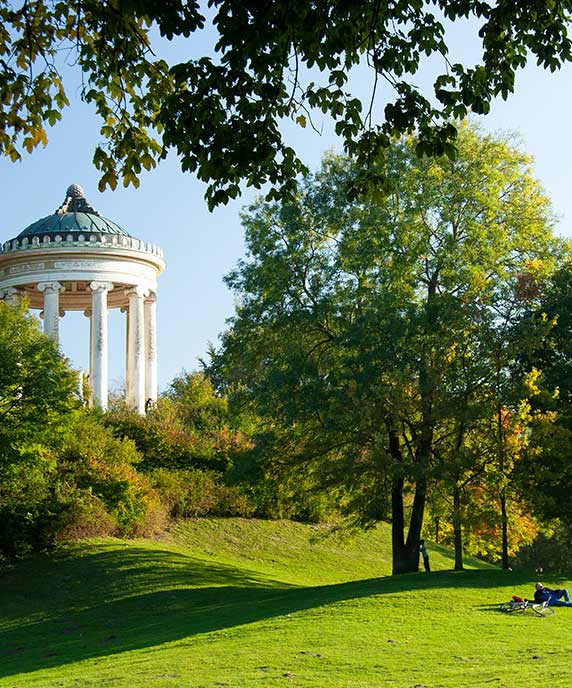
{"x":250,"y":603}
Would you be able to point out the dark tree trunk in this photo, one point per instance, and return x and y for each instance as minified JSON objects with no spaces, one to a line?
{"x":397,"y":526}
{"x":457,"y":530}
{"x":504,"y":533}
{"x":504,"y":517}
{"x":397,"y":515}
{"x":410,"y":563}
{"x":405,"y":554}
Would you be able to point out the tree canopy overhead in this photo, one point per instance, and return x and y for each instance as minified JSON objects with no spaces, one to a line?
{"x":221,"y":110}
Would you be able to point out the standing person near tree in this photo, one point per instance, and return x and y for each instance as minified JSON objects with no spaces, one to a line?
{"x":425,"y":555}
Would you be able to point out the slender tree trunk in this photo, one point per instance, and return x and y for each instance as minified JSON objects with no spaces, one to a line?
{"x":504,"y":517}
{"x":397,"y":515}
{"x":437,"y":533}
{"x":415,"y":527}
{"x":504,"y":532}
{"x":457,"y":530}
{"x":397,"y":526}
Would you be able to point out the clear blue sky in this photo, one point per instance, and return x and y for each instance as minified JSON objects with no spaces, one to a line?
{"x":200,"y":247}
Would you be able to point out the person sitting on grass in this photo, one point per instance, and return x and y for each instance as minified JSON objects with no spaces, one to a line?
{"x":552,"y":597}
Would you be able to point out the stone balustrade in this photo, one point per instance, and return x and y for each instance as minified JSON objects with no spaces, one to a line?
{"x":82,"y":240}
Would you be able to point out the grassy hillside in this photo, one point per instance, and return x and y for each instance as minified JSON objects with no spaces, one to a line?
{"x":296,"y":553}
{"x":232,"y":603}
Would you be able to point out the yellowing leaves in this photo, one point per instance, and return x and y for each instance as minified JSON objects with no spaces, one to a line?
{"x":533,"y":266}
{"x":531,"y":380}
{"x":450,"y":356}
{"x":130,"y":178}
{"x":524,"y":410}
{"x":36,"y":137}
{"x":108,"y":179}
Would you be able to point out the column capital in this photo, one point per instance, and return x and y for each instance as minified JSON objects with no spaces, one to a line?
{"x":100,"y":286}
{"x":151,"y":296}
{"x":137,"y":291}
{"x":51,"y":308}
{"x":50,"y":287}
{"x":11,"y":294}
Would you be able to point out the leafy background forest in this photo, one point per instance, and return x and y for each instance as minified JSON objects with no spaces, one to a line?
{"x":400,"y":356}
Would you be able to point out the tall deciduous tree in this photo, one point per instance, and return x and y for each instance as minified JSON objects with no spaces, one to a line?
{"x":363,"y":326}
{"x":221,"y":108}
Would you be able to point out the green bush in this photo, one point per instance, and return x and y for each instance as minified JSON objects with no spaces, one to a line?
{"x":164,"y":440}
{"x":93,"y":463}
{"x":26,"y":504}
{"x":189,"y":493}
{"x":191,"y":427}
{"x":84,"y":516}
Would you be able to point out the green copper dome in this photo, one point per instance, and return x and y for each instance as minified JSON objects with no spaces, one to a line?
{"x":74,"y":216}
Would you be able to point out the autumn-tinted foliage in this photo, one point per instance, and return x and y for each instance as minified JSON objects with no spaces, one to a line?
{"x":189,"y":428}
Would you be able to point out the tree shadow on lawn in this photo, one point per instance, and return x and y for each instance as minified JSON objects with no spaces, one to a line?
{"x":112,"y":601}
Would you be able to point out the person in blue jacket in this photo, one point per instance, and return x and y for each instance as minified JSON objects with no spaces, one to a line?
{"x":425,"y":555}
{"x":553,"y":597}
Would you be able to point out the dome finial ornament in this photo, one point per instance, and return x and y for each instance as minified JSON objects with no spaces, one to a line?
{"x":75,"y":191}
{"x":75,"y":202}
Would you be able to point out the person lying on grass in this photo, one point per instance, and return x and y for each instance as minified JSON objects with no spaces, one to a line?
{"x":553,"y":597}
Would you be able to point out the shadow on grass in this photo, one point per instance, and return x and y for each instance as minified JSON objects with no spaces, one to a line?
{"x":65,"y":609}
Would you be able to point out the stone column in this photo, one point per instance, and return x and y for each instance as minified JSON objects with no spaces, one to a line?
{"x":135,"y":379}
{"x":12,"y":295}
{"x":128,"y":372}
{"x":51,"y":308}
{"x":88,"y":314}
{"x":151,"y":349}
{"x":99,"y":376}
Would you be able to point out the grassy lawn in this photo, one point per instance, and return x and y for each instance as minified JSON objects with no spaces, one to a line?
{"x":233,"y":603}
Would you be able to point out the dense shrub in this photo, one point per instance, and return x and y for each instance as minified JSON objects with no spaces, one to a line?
{"x":189,"y":493}
{"x":93,"y":463}
{"x":84,"y":516}
{"x":165,"y":439}
{"x":275,"y":488}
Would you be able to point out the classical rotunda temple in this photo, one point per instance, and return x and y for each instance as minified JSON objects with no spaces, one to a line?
{"x":78,"y":260}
